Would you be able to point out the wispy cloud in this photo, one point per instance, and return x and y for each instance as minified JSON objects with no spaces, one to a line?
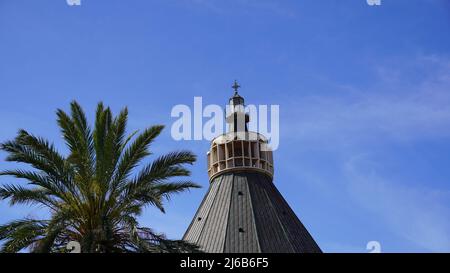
{"x":337,"y":247}
{"x":393,"y":108}
{"x":419,"y":215}
{"x":409,"y":102}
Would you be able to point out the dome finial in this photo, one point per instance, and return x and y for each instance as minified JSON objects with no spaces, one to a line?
{"x":236,"y":86}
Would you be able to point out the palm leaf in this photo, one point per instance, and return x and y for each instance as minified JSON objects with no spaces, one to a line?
{"x":95,"y":193}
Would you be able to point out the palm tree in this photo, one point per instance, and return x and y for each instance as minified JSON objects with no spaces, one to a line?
{"x":94,"y":194}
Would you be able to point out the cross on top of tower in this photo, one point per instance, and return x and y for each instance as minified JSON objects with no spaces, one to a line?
{"x":236,"y":86}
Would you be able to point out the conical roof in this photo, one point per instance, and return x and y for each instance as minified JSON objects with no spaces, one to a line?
{"x":243,"y":212}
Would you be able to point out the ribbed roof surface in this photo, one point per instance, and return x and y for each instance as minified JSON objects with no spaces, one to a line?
{"x":243,"y":212}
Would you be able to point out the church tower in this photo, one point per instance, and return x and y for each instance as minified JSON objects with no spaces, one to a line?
{"x":243,"y":212}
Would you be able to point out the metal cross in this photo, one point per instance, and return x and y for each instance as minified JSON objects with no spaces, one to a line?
{"x":235,"y":87}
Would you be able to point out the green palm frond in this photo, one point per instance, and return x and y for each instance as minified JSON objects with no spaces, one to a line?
{"x":22,"y":195}
{"x":135,"y":153}
{"x":21,"y":234}
{"x":90,"y":193}
{"x":56,"y":188}
{"x":167,"y":189}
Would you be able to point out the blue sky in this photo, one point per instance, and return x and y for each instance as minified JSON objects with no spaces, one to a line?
{"x":364,"y":95}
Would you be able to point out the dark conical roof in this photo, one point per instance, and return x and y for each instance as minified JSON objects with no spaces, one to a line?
{"x":243,"y":212}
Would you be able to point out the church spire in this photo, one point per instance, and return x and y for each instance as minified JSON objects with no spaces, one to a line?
{"x":243,"y":211}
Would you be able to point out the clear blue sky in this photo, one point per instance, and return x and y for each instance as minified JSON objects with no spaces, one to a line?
{"x":364,"y":95}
